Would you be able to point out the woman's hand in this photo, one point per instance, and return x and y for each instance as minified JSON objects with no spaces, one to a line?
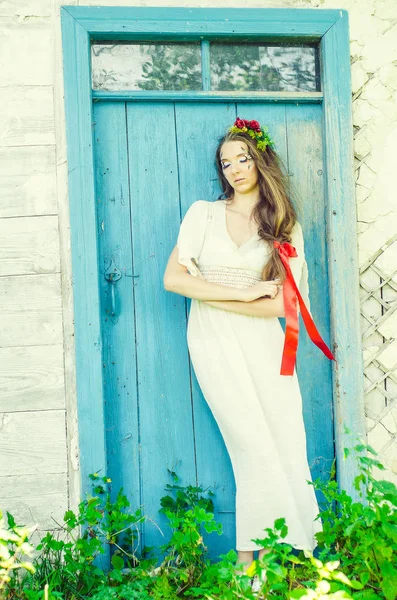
{"x":260,"y":289}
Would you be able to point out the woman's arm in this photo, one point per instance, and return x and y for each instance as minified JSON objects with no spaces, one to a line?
{"x":262,"y":307}
{"x":178,"y":280}
{"x":201,"y":289}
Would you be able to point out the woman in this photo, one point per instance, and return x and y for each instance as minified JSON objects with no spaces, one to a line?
{"x":226,"y":260}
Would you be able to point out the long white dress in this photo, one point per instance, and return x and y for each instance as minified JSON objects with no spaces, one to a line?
{"x":237,"y":359}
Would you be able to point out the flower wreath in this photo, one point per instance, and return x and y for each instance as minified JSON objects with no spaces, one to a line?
{"x":254,"y":130}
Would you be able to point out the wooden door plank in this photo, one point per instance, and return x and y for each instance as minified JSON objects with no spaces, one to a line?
{"x":166,"y":421}
{"x":306,"y":165}
{"x":348,"y":372}
{"x":118,"y":331}
{"x":198,"y":180}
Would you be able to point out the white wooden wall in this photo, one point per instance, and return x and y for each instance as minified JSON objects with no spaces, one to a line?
{"x":39,"y":477}
{"x":38,"y":444}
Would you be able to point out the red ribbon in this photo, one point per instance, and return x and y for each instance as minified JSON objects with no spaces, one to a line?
{"x":291,"y":293}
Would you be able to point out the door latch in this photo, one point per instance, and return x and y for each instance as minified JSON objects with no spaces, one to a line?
{"x":112,"y":276}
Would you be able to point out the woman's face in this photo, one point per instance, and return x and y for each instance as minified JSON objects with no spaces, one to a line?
{"x":237,"y":163}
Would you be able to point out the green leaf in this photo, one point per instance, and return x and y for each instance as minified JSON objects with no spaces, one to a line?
{"x":283,"y":531}
{"x":389,"y":582}
{"x":365,"y":577}
{"x":116,"y":575}
{"x":390,"y":530}
{"x":388,"y":489}
{"x":117,"y":561}
{"x":349,"y":529}
{"x":276,"y":569}
{"x":360,"y":447}
{"x":339,"y":576}
{"x":356,"y":585}
{"x":279,"y":523}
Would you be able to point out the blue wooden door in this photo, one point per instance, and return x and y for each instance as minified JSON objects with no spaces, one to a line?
{"x":153,"y":159}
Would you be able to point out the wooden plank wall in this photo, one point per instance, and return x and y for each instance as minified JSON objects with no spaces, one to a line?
{"x":38,"y":439}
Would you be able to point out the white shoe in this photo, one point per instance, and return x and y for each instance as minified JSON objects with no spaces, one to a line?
{"x":257,"y":582}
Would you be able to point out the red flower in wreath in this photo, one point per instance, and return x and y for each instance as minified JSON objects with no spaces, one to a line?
{"x":240,"y":123}
{"x":254,"y":125}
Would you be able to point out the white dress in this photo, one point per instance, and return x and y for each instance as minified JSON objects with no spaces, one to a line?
{"x":237,"y":359}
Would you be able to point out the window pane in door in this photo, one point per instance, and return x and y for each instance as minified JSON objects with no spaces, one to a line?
{"x":264,"y":67}
{"x":146,"y":66}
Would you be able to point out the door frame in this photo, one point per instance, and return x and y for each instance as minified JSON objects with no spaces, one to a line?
{"x":330,"y":28}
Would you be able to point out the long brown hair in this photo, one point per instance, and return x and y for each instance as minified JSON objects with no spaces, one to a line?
{"x":274,"y":211}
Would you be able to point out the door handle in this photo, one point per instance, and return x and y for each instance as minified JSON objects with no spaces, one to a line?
{"x":112,"y":276}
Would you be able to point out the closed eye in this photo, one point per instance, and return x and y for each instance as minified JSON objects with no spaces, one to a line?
{"x":225,"y":165}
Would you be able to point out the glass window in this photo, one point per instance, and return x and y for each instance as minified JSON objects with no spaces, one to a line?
{"x":146,"y":66}
{"x":243,"y":66}
{"x":273,"y":68}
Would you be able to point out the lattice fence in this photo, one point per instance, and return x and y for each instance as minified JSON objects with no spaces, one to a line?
{"x":378,"y":292}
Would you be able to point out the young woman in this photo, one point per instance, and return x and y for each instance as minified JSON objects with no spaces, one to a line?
{"x":227,"y":259}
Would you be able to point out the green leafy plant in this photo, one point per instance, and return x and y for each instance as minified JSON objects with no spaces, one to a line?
{"x":356,"y":553}
{"x":13,"y":545}
{"x":67,"y":565}
{"x":357,"y":548}
{"x":187,"y":513}
{"x":363,"y":535}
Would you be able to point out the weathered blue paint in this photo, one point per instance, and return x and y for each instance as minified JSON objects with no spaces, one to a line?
{"x":115,"y":255}
{"x":182,"y":23}
{"x":79,"y":24}
{"x":87,"y":325}
{"x":342,"y":244}
{"x":152,"y":423}
{"x":206,"y":96}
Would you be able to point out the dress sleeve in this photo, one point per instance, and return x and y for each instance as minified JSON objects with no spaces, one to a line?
{"x":299,"y":265}
{"x":191,"y":236}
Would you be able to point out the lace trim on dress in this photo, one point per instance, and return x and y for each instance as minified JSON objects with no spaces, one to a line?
{"x":231,"y":276}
